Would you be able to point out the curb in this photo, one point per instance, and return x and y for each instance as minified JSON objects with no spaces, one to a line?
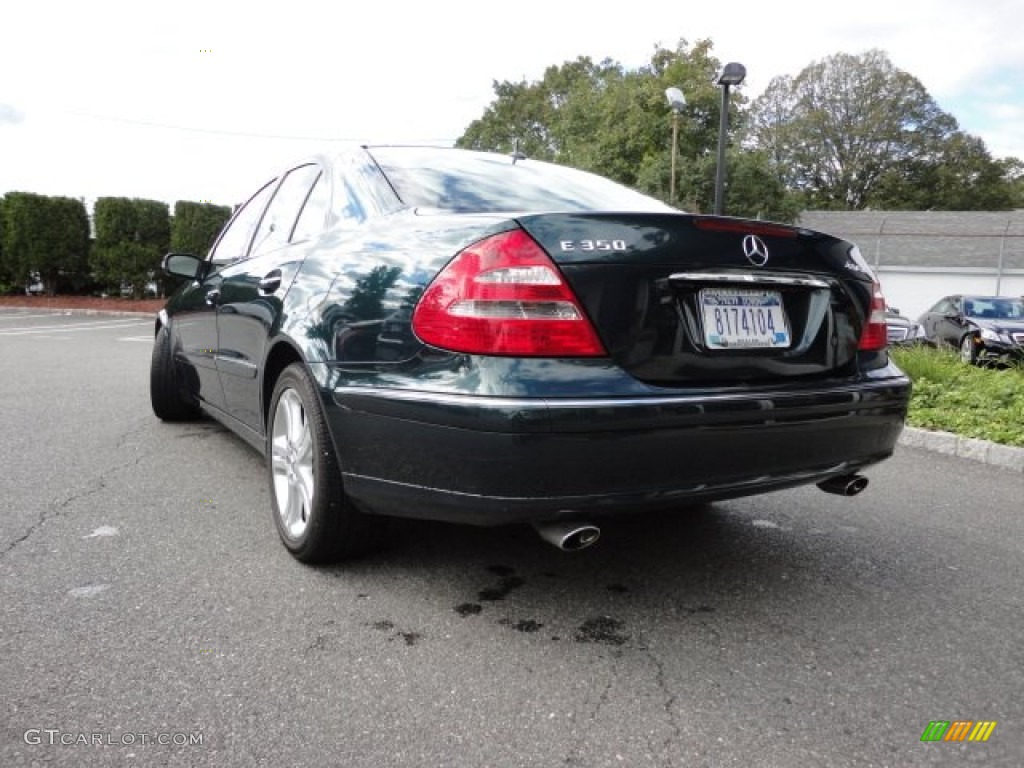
{"x":996,"y":455}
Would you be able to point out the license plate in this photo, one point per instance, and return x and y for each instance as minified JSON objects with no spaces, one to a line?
{"x":735,"y":319}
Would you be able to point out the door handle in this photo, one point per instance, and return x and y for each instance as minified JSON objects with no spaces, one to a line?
{"x":271,"y":282}
{"x":213,"y":296}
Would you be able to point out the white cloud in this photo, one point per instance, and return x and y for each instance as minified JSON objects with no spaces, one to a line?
{"x":9,"y":115}
{"x":89,"y":77}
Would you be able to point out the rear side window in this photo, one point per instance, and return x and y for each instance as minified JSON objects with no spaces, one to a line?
{"x":360,"y":189}
{"x":234,"y":243}
{"x":280,"y":218}
{"x":465,"y":181}
{"x":314,"y":212}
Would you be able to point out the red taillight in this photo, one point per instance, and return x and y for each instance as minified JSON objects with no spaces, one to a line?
{"x":875,"y":335}
{"x":504,"y":296}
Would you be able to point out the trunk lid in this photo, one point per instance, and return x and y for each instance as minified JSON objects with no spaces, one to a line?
{"x":679,"y":298}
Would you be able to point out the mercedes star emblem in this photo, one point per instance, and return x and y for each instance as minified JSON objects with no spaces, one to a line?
{"x":755,"y":250}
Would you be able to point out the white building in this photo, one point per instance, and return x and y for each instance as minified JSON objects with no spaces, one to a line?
{"x":921,"y":256}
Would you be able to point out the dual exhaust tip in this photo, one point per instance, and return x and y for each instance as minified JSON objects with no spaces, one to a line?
{"x":574,"y":535}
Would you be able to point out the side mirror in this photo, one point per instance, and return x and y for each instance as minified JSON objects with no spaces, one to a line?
{"x":184,"y":265}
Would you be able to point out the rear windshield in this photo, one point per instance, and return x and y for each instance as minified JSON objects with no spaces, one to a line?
{"x":479,"y":182}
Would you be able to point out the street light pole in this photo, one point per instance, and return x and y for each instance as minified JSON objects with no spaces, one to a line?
{"x":732,"y":74}
{"x":675,"y":151}
{"x":677,"y":101}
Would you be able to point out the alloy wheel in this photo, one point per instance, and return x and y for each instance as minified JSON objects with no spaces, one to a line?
{"x":291,"y":461}
{"x":967,"y":349}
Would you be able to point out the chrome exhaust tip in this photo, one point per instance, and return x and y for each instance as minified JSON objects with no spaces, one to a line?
{"x":844,"y":485}
{"x":569,"y":535}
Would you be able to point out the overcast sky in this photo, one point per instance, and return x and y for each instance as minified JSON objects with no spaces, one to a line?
{"x":205,"y":100}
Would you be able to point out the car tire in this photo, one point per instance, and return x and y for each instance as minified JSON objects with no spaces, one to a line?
{"x":165,"y":392}
{"x":315,"y":519}
{"x":968,"y":350}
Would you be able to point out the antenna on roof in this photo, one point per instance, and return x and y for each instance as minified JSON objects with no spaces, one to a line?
{"x":516,"y":154}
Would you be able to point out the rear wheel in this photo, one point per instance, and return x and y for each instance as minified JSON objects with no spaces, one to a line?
{"x":165,"y":391}
{"x":968,"y":350}
{"x":314,"y":518}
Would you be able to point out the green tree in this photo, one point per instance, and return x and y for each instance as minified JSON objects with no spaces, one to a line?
{"x":616,"y":122}
{"x":6,"y":276}
{"x":963,"y":178}
{"x":132,"y":236}
{"x":23,"y":214}
{"x":67,"y":267}
{"x":1013,"y":172}
{"x":195,"y":226}
{"x":153,"y":224}
{"x":844,"y":124}
{"x":44,"y":235}
{"x":755,"y":188}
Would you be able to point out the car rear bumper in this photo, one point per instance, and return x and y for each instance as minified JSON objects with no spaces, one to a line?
{"x":489,"y":460}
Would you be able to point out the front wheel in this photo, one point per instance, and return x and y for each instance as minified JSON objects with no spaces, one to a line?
{"x":968,"y":350}
{"x":165,"y":391}
{"x":316,"y":521}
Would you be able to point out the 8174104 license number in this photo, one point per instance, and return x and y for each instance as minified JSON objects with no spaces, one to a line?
{"x":744,"y":319}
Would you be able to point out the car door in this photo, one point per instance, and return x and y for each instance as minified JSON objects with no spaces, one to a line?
{"x":252,"y":290}
{"x":931,"y":319}
{"x":927,"y":319}
{"x":195,"y":317}
{"x":950,"y":323}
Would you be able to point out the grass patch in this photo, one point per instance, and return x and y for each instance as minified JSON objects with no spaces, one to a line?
{"x":986,"y":403}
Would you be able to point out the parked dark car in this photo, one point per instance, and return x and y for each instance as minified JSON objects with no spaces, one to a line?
{"x":461,"y":336}
{"x":902,"y":331}
{"x":986,"y":329}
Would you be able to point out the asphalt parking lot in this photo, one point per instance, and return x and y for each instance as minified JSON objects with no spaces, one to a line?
{"x":146,"y":599}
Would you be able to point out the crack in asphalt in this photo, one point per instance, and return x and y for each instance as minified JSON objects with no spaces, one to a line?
{"x":55,"y":509}
{"x":668,"y":704}
{"x":142,"y":424}
{"x":575,"y":757}
{"x":603,"y":698}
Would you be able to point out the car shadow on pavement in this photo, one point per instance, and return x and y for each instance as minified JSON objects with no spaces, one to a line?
{"x":709,"y":565}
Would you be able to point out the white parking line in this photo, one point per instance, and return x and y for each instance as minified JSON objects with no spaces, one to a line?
{"x":18,"y":316}
{"x":97,"y":325}
{"x":84,"y":324}
{"x":144,"y":339}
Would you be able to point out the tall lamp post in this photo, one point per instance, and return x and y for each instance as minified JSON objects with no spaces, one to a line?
{"x":677,"y":101}
{"x":732,"y":74}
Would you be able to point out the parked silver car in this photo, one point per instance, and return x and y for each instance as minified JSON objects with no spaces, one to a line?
{"x":902,"y":330}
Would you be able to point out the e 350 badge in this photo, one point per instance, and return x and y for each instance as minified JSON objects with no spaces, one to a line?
{"x":592,"y":245}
